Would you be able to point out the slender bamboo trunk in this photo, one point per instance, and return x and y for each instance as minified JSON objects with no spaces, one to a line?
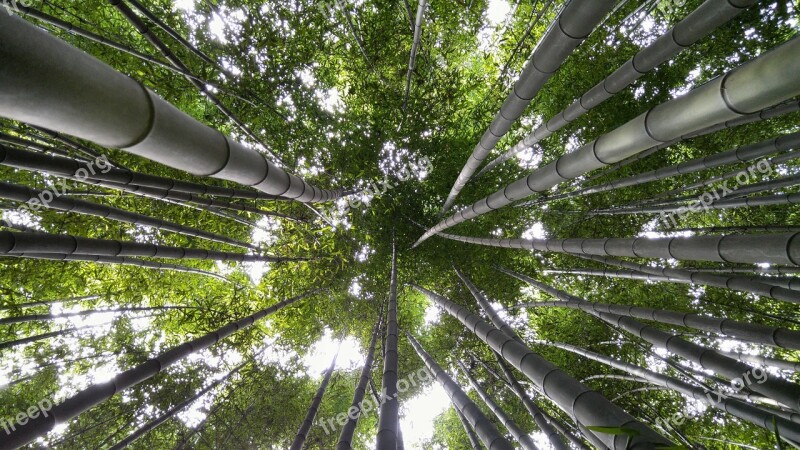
{"x":784,"y":282}
{"x":61,"y":203}
{"x":487,"y":432}
{"x":389,"y":420}
{"x":717,"y":199}
{"x":737,"y":408}
{"x":777,"y":248}
{"x":776,"y":288}
{"x":123,"y":260}
{"x":170,"y":413}
{"x":474,"y":442}
{"x":15,"y":243}
{"x":741,"y":154}
{"x":701,"y":22}
{"x":412,"y":60}
{"x":747,"y":228}
{"x":578,"y":401}
{"x":354,"y":412}
{"x":711,"y":181}
{"x":778,"y":389}
{"x":501,"y":325}
{"x":544,"y":421}
{"x":522,"y":438}
{"x":302,"y":434}
{"x":40,"y":337}
{"x":35,"y":146}
{"x":611,"y":376}
{"x":50,"y":302}
{"x":572,"y":26}
{"x":119,"y":113}
{"x":88,"y":312}
{"x":763,"y":360}
{"x":103,"y":175}
{"x":671,"y":208}
{"x":39,"y":369}
{"x":196,"y":200}
{"x":200,"y":427}
{"x":177,"y":36}
{"x":85,"y":430}
{"x":100,"y":392}
{"x":755,"y":85}
{"x":756,"y":333}
{"x":498,"y":322}
{"x":180,"y":197}
{"x":78,"y":147}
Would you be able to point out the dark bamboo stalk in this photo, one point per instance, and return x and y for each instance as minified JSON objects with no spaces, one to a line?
{"x":302,"y":434}
{"x":100,"y":392}
{"x":17,"y":244}
{"x":354,"y":412}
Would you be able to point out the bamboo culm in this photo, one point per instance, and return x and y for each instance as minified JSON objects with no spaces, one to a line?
{"x":34,"y":304}
{"x":24,"y":194}
{"x":700,"y":23}
{"x":144,"y":429}
{"x":520,"y":436}
{"x":572,"y":26}
{"x":412,"y":60}
{"x":783,"y":282}
{"x":119,"y":112}
{"x":474,"y":442}
{"x":737,"y":155}
{"x":720,"y":199}
{"x":389,"y":419}
{"x":755,"y":85}
{"x":308,"y":422}
{"x":122,"y":260}
{"x":16,"y":243}
{"x":88,"y":312}
{"x":488,"y":434}
{"x":546,"y":423}
{"x":660,"y":197}
{"x":71,"y":168}
{"x":760,"y":334}
{"x":776,"y":288}
{"x":584,"y":405}
{"x":100,"y":392}
{"x":349,"y":428}
{"x":775,"y":249}
{"x":737,"y":408}
{"x":778,"y":389}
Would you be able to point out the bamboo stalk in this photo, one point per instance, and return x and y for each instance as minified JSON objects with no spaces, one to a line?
{"x":118,"y":112}
{"x":572,"y":26}
{"x":389,"y":418}
{"x":700,"y":23}
{"x":778,"y":389}
{"x":585,"y":405}
{"x":100,"y":392}
{"x":487,"y":432}
{"x":777,"y":248}
{"x":62,"y":203}
{"x":755,"y":85}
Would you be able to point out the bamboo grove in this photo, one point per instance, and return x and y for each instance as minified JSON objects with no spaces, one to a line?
{"x":586,"y":236}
